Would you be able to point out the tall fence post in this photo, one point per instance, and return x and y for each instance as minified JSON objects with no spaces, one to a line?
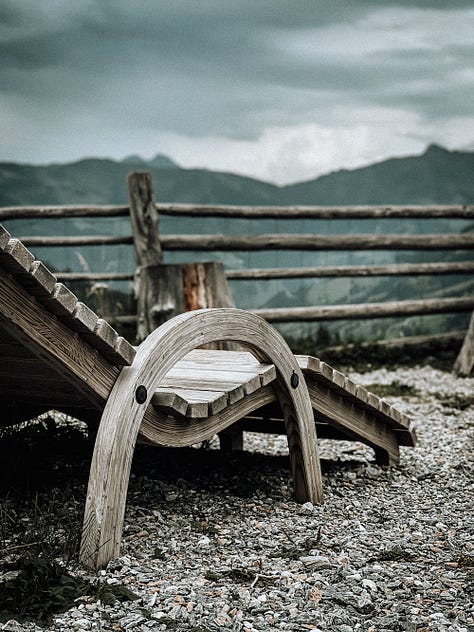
{"x":146,"y":245}
{"x":163,"y":291}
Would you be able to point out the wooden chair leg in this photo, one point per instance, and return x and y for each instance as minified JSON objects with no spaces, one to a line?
{"x":231,"y":439}
{"x":127,"y":404}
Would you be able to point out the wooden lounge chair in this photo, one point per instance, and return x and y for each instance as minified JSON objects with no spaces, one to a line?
{"x":56,"y":353}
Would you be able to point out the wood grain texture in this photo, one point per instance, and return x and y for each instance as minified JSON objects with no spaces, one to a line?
{"x":123,"y":416}
{"x":144,"y":220}
{"x":367,"y":310}
{"x":316,"y":242}
{"x":83,"y":240}
{"x":251,"y":212}
{"x":41,"y":284}
{"x":32,"y":326}
{"x":354,"y":412}
{"x":38,"y":212}
{"x":464,"y":364}
{"x":317,"y":212}
{"x":400,"y":269}
{"x":166,"y":290}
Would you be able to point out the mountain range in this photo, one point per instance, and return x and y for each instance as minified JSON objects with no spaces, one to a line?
{"x":438,"y":176}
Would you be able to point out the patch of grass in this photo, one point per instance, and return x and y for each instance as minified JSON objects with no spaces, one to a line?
{"x":367,"y":356}
{"x":395,"y":389}
{"x":298,"y":550}
{"x":49,"y":526}
{"x":459,"y":402}
{"x":395,"y":554}
{"x":42,"y":588}
{"x":240,"y":575}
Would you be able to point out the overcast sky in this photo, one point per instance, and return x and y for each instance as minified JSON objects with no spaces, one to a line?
{"x":279,"y":90}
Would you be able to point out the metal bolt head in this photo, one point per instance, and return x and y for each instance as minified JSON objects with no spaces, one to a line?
{"x":141,"y":394}
{"x":294,"y":380}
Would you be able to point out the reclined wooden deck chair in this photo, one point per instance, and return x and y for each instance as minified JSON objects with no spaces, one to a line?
{"x":56,"y":353}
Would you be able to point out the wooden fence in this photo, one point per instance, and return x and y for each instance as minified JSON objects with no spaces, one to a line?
{"x":149,"y":245}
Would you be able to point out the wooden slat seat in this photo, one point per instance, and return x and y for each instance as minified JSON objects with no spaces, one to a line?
{"x":351,"y":410}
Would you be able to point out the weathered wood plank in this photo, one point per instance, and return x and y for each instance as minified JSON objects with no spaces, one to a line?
{"x":190,"y":402}
{"x":317,"y":242}
{"x":400,"y":269}
{"x":15,"y":258}
{"x":127,"y":411}
{"x":255,"y":212}
{"x":41,"y":284}
{"x":464,"y":364}
{"x":33,"y":212}
{"x":144,"y":220}
{"x":94,"y":276}
{"x":353,"y":420}
{"x":36,"y":329}
{"x":78,"y":240}
{"x":220,"y":362}
{"x":367,"y":310}
{"x":318,"y":212}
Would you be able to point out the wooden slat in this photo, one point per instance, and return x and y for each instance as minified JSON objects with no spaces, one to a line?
{"x":189,"y":402}
{"x":15,"y":258}
{"x":353,"y":420}
{"x":36,"y":329}
{"x":228,"y":361}
{"x":356,"y":395}
{"x":41,"y":284}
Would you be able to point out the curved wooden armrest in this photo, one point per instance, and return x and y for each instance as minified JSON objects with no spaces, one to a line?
{"x":127,"y":411}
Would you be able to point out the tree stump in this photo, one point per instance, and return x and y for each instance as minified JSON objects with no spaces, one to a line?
{"x":165,"y":290}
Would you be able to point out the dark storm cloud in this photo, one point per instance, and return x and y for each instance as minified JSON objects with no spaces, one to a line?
{"x":231,"y":68}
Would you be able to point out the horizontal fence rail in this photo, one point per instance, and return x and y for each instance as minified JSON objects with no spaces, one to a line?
{"x":94,"y":276}
{"x":272,"y":242}
{"x":318,"y":212}
{"x":256,"y":212}
{"x":317,"y":242}
{"x":38,"y":212}
{"x":400,"y":269}
{"x":83,"y":240}
{"x":367,"y":310}
{"x":213,"y":243}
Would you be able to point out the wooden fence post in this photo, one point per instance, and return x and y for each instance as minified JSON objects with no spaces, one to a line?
{"x":146,"y":245}
{"x":165,"y":290}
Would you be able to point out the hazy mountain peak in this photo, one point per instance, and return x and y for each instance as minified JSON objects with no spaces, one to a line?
{"x":160,"y":160}
{"x":436,"y":150}
{"x":134,"y":159}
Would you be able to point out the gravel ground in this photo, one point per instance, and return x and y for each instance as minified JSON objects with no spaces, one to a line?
{"x":214,"y":543}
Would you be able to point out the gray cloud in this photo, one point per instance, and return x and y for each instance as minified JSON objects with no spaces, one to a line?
{"x":230,"y":69}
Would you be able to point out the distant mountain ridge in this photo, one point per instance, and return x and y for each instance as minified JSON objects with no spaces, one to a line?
{"x":438,"y":176}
